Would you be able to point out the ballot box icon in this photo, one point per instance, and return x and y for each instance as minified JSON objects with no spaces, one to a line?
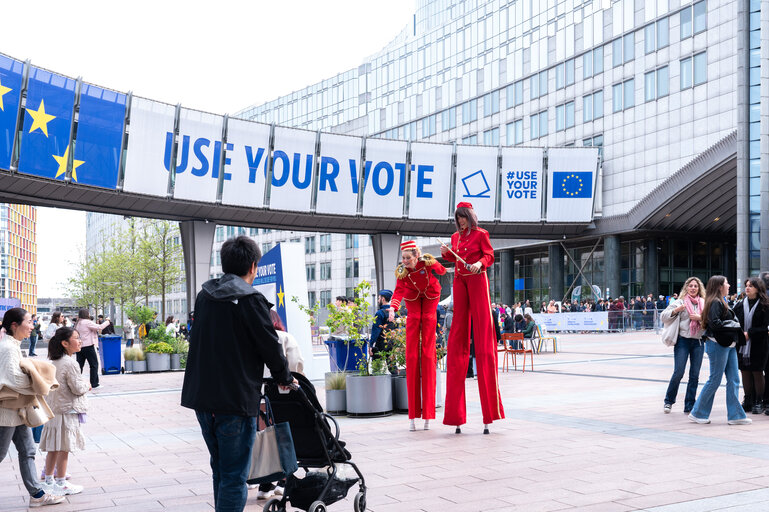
{"x":476,"y":185}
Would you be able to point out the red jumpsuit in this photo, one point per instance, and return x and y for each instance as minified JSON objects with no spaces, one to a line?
{"x":471,"y":300}
{"x":420,"y":290}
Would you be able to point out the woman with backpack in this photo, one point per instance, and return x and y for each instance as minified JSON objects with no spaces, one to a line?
{"x":723,"y":335}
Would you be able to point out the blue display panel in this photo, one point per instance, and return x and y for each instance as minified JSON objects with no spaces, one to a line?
{"x":11,"y":80}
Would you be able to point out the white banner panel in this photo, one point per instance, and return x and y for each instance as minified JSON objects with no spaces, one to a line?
{"x":150,"y":142}
{"x":594,"y":321}
{"x":198,"y":155}
{"x":477,"y":179}
{"x":430,"y":180}
{"x":339,"y":174}
{"x":245,"y":168}
{"x":386,"y":178}
{"x":571,"y":184}
{"x":521,"y":185}
{"x":293,"y":164}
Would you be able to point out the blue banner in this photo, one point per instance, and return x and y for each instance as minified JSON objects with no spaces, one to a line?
{"x":99,"y":136}
{"x":269,"y":280}
{"x":11,"y":79}
{"x":47,"y":124}
{"x":572,"y":185}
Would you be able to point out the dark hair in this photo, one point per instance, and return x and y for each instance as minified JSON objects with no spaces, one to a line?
{"x":758,"y":284}
{"x":467,"y":213}
{"x":518,"y":318}
{"x":169,"y":320}
{"x":55,"y":348}
{"x":277,"y":323}
{"x":56,"y":317}
{"x":13,"y":316}
{"x":528,"y":317}
{"x":712,"y":294}
{"x":342,"y":298}
{"x":83,"y":314}
{"x":238,"y":254}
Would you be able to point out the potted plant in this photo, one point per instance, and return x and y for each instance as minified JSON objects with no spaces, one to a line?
{"x":396,"y":338}
{"x":336,"y":393}
{"x":142,"y":315}
{"x":159,"y":350}
{"x":140,"y":363}
{"x":180,"y":348}
{"x":130,"y":356}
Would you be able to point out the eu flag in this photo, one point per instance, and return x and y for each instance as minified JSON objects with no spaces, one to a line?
{"x":573,"y":184}
{"x":11,"y":77}
{"x":47,"y":124}
{"x":99,"y":136}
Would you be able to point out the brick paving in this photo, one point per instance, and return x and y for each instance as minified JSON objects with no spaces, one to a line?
{"x":584,"y":431}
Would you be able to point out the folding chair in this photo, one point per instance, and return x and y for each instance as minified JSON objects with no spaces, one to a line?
{"x":544,"y":338}
{"x":508,"y":340}
{"x":523,"y":350}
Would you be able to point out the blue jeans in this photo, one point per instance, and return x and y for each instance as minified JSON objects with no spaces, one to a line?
{"x":692,"y":349}
{"x":22,"y":439}
{"x":229,"y":439}
{"x":32,"y":345}
{"x":722,"y":361}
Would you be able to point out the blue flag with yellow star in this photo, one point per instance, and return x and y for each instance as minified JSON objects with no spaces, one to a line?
{"x":99,"y":136}
{"x":11,"y":79}
{"x":47,"y":124}
{"x":573,"y":185}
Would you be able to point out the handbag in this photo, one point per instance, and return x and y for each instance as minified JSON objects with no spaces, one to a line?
{"x":36,"y":414}
{"x":730,"y":332}
{"x":670,"y":331}
{"x":273,"y":456}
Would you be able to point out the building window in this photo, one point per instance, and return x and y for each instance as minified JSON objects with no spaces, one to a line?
{"x":428,"y":126}
{"x":629,"y":92}
{"x":564,"y":116}
{"x":656,"y":84}
{"x":310,"y":272}
{"x":491,"y":137}
{"x":564,"y":74}
{"x":686,"y":73}
{"x":471,"y":140}
{"x":311,"y":298}
{"x":491,"y":103}
{"x":587,"y":65}
{"x":325,"y":298}
{"x":629,"y":46}
{"x":663,"y":33}
{"x":616,"y":52}
{"x":592,"y":106}
{"x":515,"y":132}
{"x":470,"y":111}
{"x":351,"y":267}
{"x":623,"y":95}
{"x":700,"y":17}
{"x":220,"y":233}
{"x":514,"y":94}
{"x":350,"y":241}
{"x":325,"y":242}
{"x":650,"y":42}
{"x":686,"y":22}
{"x":538,"y":124}
{"x":700,"y":68}
{"x":538,"y":84}
{"x":325,"y":270}
{"x":449,"y":119}
{"x":266,"y":247}
{"x":309,"y":245}
{"x":598,"y":61}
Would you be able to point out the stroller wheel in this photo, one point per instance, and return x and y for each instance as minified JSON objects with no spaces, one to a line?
{"x":317,"y":506}
{"x":274,"y":506}
{"x":359,"y":504}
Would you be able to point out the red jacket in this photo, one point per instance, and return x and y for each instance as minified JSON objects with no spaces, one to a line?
{"x":419,"y":282}
{"x":471,"y":247}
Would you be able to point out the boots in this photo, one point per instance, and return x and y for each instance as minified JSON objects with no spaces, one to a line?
{"x":747,"y":403}
{"x":758,"y":407}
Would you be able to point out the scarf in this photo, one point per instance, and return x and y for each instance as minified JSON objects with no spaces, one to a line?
{"x":694,"y":306}
{"x":747,"y":314}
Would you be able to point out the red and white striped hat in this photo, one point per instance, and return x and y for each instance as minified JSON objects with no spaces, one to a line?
{"x":409,"y":244}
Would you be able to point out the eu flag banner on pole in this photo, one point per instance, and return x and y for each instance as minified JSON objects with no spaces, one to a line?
{"x":99,"y":137}
{"x":47,"y":124}
{"x":11,"y":79}
{"x":572,"y":184}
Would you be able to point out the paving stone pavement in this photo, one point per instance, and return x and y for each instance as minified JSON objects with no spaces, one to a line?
{"x":584,"y":431}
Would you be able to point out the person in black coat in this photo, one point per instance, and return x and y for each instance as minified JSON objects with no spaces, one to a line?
{"x":753,"y":314}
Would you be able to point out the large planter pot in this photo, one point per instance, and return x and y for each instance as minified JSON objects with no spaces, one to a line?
{"x":129,"y":366}
{"x":369,"y":395}
{"x":140,"y":366}
{"x":336,"y":401}
{"x":158,"y":362}
{"x":176,"y":361}
{"x":400,"y":394}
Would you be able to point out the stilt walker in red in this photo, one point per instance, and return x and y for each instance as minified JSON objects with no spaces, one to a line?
{"x":420,"y":290}
{"x":471,"y":300}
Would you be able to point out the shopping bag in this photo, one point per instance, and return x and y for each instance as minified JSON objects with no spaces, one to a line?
{"x":273,"y":456}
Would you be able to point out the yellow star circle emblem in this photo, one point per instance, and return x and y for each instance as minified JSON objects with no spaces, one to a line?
{"x":40,"y":119}
{"x":280,"y":295}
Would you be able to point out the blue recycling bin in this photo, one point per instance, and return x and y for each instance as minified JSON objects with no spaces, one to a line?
{"x":343,"y":355}
{"x":109,"y":354}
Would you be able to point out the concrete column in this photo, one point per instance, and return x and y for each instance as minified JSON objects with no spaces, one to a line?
{"x":386,"y":257}
{"x":651,"y":268}
{"x":507,"y":276}
{"x":197,"y":242}
{"x":729,"y":268}
{"x":743,"y":171}
{"x":612,"y":264}
{"x":555,"y":274}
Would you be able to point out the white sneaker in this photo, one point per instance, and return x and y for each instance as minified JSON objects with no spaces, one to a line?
{"x":743,"y":421}
{"x":66,"y":489}
{"x":701,"y":421}
{"x":427,"y":424}
{"x":278,"y":490}
{"x":45,"y":499}
{"x":412,"y":427}
{"x":263,"y":495}
{"x":668,"y":408}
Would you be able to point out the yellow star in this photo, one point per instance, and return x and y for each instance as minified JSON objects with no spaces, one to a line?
{"x":62,"y":161}
{"x":3,"y":91}
{"x":280,"y":295}
{"x":40,"y":119}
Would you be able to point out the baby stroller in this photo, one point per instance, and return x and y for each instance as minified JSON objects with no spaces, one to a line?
{"x":317,"y":446}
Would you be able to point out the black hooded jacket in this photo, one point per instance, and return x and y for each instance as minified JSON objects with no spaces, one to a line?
{"x":231,"y":341}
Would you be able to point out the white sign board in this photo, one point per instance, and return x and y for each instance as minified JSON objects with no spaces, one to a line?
{"x":339,"y":174}
{"x":150,"y":143}
{"x":245,"y":171}
{"x":476,"y":180}
{"x":521,"y":185}
{"x":385,"y":184}
{"x":293,"y":165}
{"x":571,"y":184}
{"x":198,"y":156}
{"x":430,"y":180}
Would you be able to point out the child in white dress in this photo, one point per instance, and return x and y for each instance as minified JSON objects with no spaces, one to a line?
{"x":62,"y":435}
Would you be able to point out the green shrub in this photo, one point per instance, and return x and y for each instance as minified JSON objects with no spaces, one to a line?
{"x":160,"y":347}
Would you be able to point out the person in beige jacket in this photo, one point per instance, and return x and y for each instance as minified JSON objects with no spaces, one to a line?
{"x":62,"y":434}
{"x":17,"y":324}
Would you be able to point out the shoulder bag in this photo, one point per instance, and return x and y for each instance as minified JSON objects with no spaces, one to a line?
{"x":273,"y":456}
{"x":670,"y":331}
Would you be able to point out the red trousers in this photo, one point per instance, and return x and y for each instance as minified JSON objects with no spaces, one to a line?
{"x":471,"y":300}
{"x":420,"y":357}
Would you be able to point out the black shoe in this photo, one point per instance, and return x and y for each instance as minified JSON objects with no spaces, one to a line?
{"x":758,"y":408}
{"x":747,"y":406}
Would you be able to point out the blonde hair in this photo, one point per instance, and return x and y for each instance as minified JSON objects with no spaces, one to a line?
{"x":701,"y":286}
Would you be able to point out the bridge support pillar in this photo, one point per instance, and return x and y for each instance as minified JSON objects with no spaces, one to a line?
{"x":386,"y":257}
{"x":507,"y":276}
{"x":651,"y":270}
{"x":612,"y":265}
{"x":555,"y":264}
{"x":197,"y":242}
